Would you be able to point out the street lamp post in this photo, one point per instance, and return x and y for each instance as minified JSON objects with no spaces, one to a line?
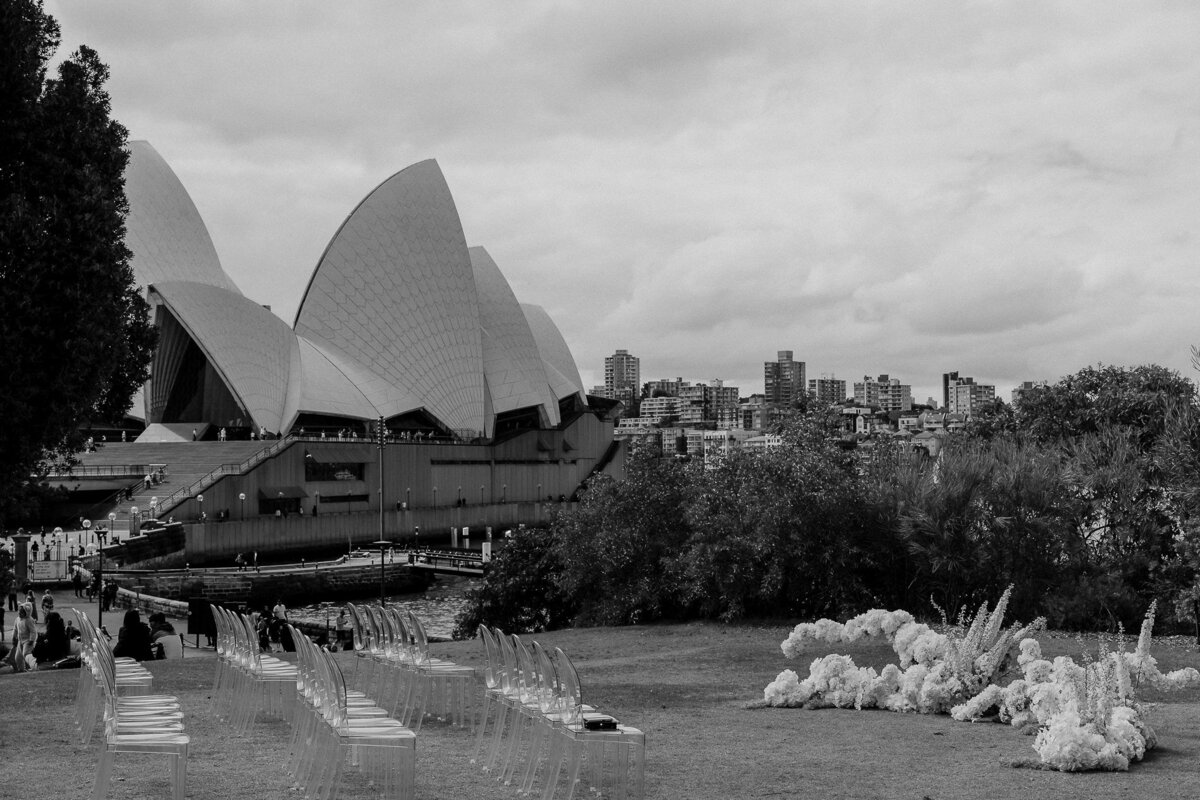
{"x":112,"y":519}
{"x":133,"y":514}
{"x":242,"y":506}
{"x":382,"y":595}
{"x":200,"y":500}
{"x":382,"y":444}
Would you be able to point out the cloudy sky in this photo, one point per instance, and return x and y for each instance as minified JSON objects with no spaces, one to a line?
{"x":1010,"y":190}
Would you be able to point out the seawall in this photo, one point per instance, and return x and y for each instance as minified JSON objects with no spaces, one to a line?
{"x":294,"y":585}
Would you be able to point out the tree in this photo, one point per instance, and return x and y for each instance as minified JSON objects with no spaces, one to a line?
{"x":520,"y":591}
{"x":1101,"y":397}
{"x":616,"y":548}
{"x":782,"y":531}
{"x":75,"y":335}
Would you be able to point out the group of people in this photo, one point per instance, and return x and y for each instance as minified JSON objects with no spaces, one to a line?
{"x":28,"y":649}
{"x":141,"y":641}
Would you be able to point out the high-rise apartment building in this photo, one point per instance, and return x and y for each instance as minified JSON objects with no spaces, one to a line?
{"x":783,"y":379}
{"x":827,"y":390}
{"x":712,"y":402}
{"x":1025,"y":387}
{"x":623,"y":379}
{"x":964,"y":395}
{"x":884,"y":392}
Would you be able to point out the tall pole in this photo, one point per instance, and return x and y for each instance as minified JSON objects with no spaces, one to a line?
{"x":87,"y":527}
{"x":382,"y":444}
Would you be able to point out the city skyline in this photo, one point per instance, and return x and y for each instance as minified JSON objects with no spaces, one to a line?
{"x":1007,"y":191}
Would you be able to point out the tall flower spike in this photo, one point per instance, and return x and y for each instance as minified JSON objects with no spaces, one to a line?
{"x":1143,"y":646}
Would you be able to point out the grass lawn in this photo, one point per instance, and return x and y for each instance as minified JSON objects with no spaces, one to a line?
{"x":686,"y":686}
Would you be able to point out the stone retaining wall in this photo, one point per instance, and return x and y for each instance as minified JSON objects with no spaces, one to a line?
{"x":294,"y":587}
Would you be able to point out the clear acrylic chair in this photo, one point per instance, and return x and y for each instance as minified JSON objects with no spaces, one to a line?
{"x":138,"y":724}
{"x":615,"y":758}
{"x":444,"y":689}
{"x":495,"y":705}
{"x":384,"y":749}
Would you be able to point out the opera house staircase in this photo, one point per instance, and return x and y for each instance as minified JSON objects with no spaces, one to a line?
{"x":184,"y":463}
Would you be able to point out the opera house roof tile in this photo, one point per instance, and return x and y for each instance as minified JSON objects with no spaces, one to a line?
{"x":399,"y":316}
{"x":164,"y":230}
{"x":397,"y":273}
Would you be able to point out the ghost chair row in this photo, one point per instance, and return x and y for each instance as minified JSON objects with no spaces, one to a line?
{"x":141,"y":723}
{"x":132,"y":678}
{"x":392,"y":647}
{"x":333,"y":726}
{"x":537,"y":716}
{"x":248,"y":681}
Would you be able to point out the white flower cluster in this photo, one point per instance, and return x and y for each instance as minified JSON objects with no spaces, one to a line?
{"x":1086,"y":716}
{"x":834,"y":681}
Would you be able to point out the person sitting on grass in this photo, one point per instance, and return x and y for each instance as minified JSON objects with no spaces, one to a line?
{"x":54,"y":643}
{"x":24,"y":638}
{"x":133,"y":640}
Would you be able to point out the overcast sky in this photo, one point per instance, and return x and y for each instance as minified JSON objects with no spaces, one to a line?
{"x":1006,"y":189}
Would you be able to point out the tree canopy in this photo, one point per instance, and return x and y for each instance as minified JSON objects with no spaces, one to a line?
{"x":75,"y":335}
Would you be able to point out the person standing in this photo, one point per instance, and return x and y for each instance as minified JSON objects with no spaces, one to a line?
{"x":32,"y":603}
{"x":77,"y":581}
{"x":47,"y":604}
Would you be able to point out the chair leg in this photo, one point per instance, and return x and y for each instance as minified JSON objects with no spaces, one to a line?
{"x":103,"y":774}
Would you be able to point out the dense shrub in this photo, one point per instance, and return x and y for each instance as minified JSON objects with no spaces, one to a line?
{"x":1086,"y":500}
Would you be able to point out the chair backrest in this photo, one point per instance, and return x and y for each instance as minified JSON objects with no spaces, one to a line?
{"x":420,"y":642}
{"x":568,"y":678}
{"x":550,"y":700}
{"x":510,"y":683}
{"x":362,"y":637}
{"x":527,"y":678}
{"x":401,"y":644}
{"x":491,"y":669}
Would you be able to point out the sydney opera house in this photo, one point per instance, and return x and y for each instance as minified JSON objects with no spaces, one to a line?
{"x":402,"y":323}
{"x":400,"y":320}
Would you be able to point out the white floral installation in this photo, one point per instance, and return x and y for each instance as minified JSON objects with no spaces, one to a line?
{"x":1086,"y":717}
{"x":936,"y":671}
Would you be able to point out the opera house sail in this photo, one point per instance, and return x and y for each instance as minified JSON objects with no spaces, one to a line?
{"x":400,"y":320}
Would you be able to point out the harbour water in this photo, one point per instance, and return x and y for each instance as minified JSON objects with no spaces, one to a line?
{"x":437,"y":606}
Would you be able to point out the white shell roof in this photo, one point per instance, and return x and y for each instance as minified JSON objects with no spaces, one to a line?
{"x":164,"y":230}
{"x":329,"y":385}
{"x":395,"y":293}
{"x":560,"y":364}
{"x":398,"y":315}
{"x":516,"y":375}
{"x":251,"y":348}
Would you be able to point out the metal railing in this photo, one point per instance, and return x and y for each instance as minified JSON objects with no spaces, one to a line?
{"x":179,"y":495}
{"x":199,"y":485}
{"x":106,"y":471}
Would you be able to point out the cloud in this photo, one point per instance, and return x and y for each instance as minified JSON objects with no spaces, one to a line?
{"x":1008,"y":190}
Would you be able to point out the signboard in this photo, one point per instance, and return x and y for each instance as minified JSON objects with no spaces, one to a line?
{"x":42,"y":571}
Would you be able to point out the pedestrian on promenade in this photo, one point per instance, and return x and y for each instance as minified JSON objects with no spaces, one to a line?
{"x":77,"y":581}
{"x":29,"y":601}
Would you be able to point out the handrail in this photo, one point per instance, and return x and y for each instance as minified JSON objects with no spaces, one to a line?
{"x":203,"y":483}
{"x":104,"y":470}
